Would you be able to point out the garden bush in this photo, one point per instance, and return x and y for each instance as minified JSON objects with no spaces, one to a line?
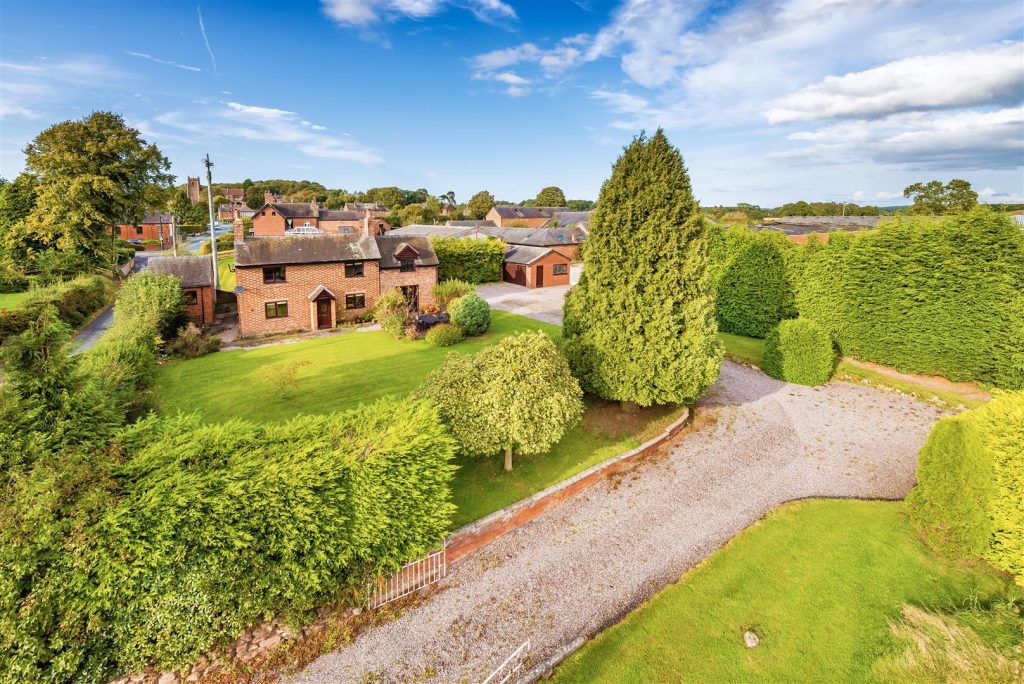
{"x":190,"y":343}
{"x":444,"y":335}
{"x":123,"y":363}
{"x":470,"y":259}
{"x":753,"y":292}
{"x":225,"y":243}
{"x":799,"y":350}
{"x":152,"y":297}
{"x":392,"y":312}
{"x":936,"y":297}
{"x":180,"y":534}
{"x":472,"y":313}
{"x":448,"y":290}
{"x":74,"y":300}
{"x":969,"y":497}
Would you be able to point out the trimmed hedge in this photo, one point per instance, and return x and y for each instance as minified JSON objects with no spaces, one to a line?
{"x":182,"y":533}
{"x":472,"y":313}
{"x":74,"y":300}
{"x":151,"y":297}
{"x":753,"y":291}
{"x":799,"y":350}
{"x":470,"y":259}
{"x":969,"y":497}
{"x":444,"y":335}
{"x":937,"y":297}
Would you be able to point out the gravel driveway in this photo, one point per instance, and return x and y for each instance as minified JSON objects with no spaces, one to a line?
{"x":542,"y":303}
{"x":757,"y":443}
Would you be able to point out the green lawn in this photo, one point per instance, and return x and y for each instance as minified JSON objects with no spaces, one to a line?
{"x":747,"y":350}
{"x":356,"y":367}
{"x":12,"y":300}
{"x":224,"y":272}
{"x":818,"y":581}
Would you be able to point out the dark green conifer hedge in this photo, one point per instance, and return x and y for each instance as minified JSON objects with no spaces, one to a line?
{"x":469,"y":259}
{"x":799,"y":350}
{"x":753,"y":292}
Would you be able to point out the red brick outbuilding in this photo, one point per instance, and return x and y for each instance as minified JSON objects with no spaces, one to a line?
{"x":536,"y":266}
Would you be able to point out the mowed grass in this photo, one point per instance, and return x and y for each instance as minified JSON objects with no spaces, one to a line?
{"x":224,"y":273}
{"x":750,"y":350}
{"x":12,"y":300}
{"x":346,"y":370}
{"x":817,"y":581}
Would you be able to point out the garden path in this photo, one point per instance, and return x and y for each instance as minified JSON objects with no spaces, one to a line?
{"x":755,"y":443}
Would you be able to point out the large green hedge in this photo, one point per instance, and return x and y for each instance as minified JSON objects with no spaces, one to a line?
{"x":938,"y":297}
{"x":74,"y":300}
{"x":152,"y":297}
{"x":799,"y":350}
{"x":469,"y":259}
{"x":180,"y":533}
{"x":753,"y":292}
{"x":969,"y":498}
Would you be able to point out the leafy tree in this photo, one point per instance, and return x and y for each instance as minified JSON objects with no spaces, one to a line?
{"x":219,"y":200}
{"x":92,"y":173}
{"x":551,"y":196}
{"x":17,"y":200}
{"x":935,"y":198}
{"x":448,"y":197}
{"x":391,"y":197}
{"x":517,"y":396}
{"x":253,"y":196}
{"x":579,"y":204}
{"x":479,"y":204}
{"x":640,"y":325}
{"x":181,"y":207}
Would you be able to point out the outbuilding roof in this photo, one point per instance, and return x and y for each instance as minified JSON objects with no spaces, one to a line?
{"x":472,"y":223}
{"x":514,"y":211}
{"x":388,"y":246}
{"x":519,"y":254}
{"x":192,"y":271}
{"x":304,"y":249}
{"x":536,"y":237}
{"x":568,"y":219}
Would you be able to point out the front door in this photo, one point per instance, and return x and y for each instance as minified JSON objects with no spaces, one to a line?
{"x":540,"y":276}
{"x":412,"y":296}
{"x":323,"y":313}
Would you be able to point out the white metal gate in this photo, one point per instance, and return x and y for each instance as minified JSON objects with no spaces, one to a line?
{"x":414,"y":575}
{"x":509,"y":670}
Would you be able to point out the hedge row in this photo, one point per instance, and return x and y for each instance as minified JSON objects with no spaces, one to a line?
{"x":969,"y":498}
{"x":799,"y":350}
{"x":74,"y":300}
{"x":469,"y":259}
{"x":180,"y":533}
{"x":936,"y":297}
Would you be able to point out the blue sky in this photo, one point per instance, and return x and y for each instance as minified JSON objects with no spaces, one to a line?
{"x":769,"y":101}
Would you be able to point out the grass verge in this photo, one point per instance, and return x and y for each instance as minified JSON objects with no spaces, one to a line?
{"x":12,"y":300}
{"x":820,"y":582}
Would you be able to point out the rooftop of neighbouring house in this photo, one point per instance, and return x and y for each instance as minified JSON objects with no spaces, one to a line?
{"x":316,"y":247}
{"x":193,"y":271}
{"x":536,"y":237}
{"x":522,"y":254}
{"x":514,"y":211}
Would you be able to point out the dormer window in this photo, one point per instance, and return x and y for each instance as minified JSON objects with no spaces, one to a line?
{"x":407,"y":265}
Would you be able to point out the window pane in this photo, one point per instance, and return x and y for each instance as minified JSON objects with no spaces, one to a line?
{"x":270,"y":309}
{"x":282,"y":309}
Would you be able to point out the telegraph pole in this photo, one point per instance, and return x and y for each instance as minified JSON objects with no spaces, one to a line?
{"x":213,"y":235}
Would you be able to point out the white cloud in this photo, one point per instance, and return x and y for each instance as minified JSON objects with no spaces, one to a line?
{"x":206,"y":41}
{"x":168,"y":62}
{"x":264,"y":124}
{"x":952,"y":79}
{"x":365,"y":13}
{"x":510,"y":78}
{"x":886,"y":195}
{"x":28,"y":88}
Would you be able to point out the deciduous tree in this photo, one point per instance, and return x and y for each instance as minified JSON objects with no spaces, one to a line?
{"x":640,"y":325}
{"x":551,"y":196}
{"x":479,"y":204}
{"x":936,"y":199}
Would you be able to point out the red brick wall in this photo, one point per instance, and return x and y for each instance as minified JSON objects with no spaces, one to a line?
{"x":201,"y":313}
{"x":150,"y":231}
{"x":300,"y":281}
{"x":510,"y":271}
{"x":516,"y":222}
{"x":270,"y":224}
{"x":424,"y":276}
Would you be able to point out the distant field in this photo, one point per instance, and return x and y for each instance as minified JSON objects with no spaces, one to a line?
{"x":12,"y":300}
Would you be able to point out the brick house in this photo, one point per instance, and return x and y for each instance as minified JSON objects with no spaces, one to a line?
{"x":514,"y":216}
{"x":280,"y":218}
{"x":536,"y":266}
{"x":312,"y":281}
{"x":196,"y":276}
{"x":154,"y":226}
{"x":566,"y":239}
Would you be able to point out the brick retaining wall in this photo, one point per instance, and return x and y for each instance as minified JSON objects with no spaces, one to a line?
{"x":476,"y":535}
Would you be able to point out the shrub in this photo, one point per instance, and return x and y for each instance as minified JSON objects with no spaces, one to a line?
{"x":183,"y":533}
{"x":190,"y":343}
{"x":470,"y":259}
{"x":753,"y":292}
{"x":122,"y":364}
{"x":937,"y":297}
{"x":392,"y":312}
{"x":798,"y":350}
{"x":516,"y":396}
{"x":472,"y":313}
{"x":970,"y":484}
{"x":74,"y":302}
{"x":444,"y":335}
{"x":225,"y":243}
{"x":282,"y":376}
{"x":152,"y":297}
{"x":448,"y":290}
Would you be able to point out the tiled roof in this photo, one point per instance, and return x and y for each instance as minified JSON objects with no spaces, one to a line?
{"x":311,"y":249}
{"x":831,"y":221}
{"x":435,"y":231}
{"x":519,"y":254}
{"x":294,"y":209}
{"x":341,"y":215}
{"x":539,"y":237}
{"x":569,"y":218}
{"x":157,"y":217}
{"x":388,"y":246}
{"x":513,"y":211}
{"x":473,"y":223}
{"x":193,"y":271}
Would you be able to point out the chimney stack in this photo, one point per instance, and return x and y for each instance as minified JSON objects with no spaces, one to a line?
{"x":239,"y":230}
{"x":269,"y":197}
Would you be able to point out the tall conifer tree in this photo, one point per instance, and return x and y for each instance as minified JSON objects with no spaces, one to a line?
{"x":640,"y":325}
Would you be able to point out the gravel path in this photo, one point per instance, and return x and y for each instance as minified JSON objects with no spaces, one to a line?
{"x":581,"y":566}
